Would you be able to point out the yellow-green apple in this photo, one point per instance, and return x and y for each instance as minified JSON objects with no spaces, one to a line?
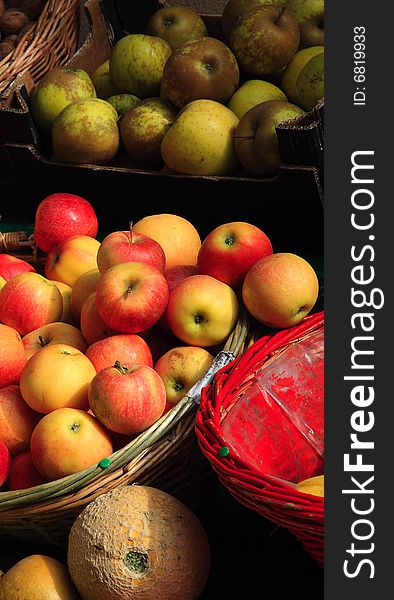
{"x":310,"y":82}
{"x":2,"y":281}
{"x":11,"y":266}
{"x":180,"y":368}
{"x":62,"y":215}
{"x":204,"y":68}
{"x":251,"y":93}
{"x":92,"y":325}
{"x":102,"y":81}
{"x":264,"y":39}
{"x":23,"y":473}
{"x":256,"y":140}
{"x":67,"y":441}
{"x":53,"y":333}
{"x":310,"y":17}
{"x":65,"y":290}
{"x":280,"y":290}
{"x":235,"y":8}
{"x":127,"y":398}
{"x":137,"y":62}
{"x":127,"y":348}
{"x":5,"y":461}
{"x":57,"y":89}
{"x":12,"y":355}
{"x":123,"y":102}
{"x":57,"y":376}
{"x":177,"y":236}
{"x":292,"y":71}
{"x":72,"y":257}
{"x":175,"y":276}
{"x":177,"y":25}
{"x":128,"y":246}
{"x":143,"y":127}
{"x":131,"y":297}
{"x":82,"y":288}
{"x":28,"y":301}
{"x":17,"y":420}
{"x":200,"y":142}
{"x":229,"y":250}
{"x":202,"y":311}
{"x":86,"y":132}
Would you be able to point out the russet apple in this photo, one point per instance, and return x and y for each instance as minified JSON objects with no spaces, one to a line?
{"x":229,"y":250}
{"x":256,"y":140}
{"x":177,"y":25}
{"x":12,"y":356}
{"x":57,"y":376}
{"x":280,"y":289}
{"x":92,"y":326}
{"x":310,"y":83}
{"x":28,"y":301}
{"x":5,"y":461}
{"x":265,"y":39}
{"x":137,"y":62}
{"x":71,"y":257}
{"x":57,"y":89}
{"x":143,"y":127}
{"x":127,"y":348}
{"x":123,"y":102}
{"x":82,"y":288}
{"x":131,"y":297}
{"x":11,"y":266}
{"x":17,"y":420}
{"x":292,"y":71}
{"x":86,"y":132}
{"x":62,"y":215}
{"x":235,"y":8}
{"x":202,"y":69}
{"x":251,"y":93}
{"x":102,"y":81}
{"x":202,"y":311}
{"x":23,"y":473}
{"x":67,"y":441}
{"x":177,"y":236}
{"x":53,"y":333}
{"x":200,"y":142}
{"x":180,"y":368}
{"x":310,"y":17}
{"x":127,"y":399}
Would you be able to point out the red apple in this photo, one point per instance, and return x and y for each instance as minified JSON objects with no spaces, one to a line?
{"x":23,"y":473}
{"x":124,"y":347}
{"x":127,"y":399}
{"x":17,"y":420}
{"x":71,"y":258}
{"x":131,"y":297}
{"x":53,"y":333}
{"x":92,"y":325}
{"x":5,"y":463}
{"x":63,"y":215}
{"x":12,"y":356}
{"x":67,"y":441}
{"x":228,"y":252}
{"x":11,"y":266}
{"x":128,"y":246}
{"x":280,"y":289}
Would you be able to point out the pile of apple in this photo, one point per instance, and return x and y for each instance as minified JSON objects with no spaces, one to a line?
{"x":176,"y":98}
{"x":117,"y":332}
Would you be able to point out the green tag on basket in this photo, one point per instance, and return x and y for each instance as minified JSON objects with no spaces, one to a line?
{"x":104,"y":463}
{"x":224,"y":451}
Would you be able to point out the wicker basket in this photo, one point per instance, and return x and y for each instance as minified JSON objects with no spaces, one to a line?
{"x":49,"y":42}
{"x":270,"y":495}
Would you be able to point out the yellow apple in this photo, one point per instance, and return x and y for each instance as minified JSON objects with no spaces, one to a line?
{"x":65,"y":290}
{"x":57,"y":376}
{"x":252,"y":92}
{"x":53,"y":333}
{"x":72,"y":257}
{"x":83,"y":286}
{"x":180,"y":368}
{"x":92,"y":325}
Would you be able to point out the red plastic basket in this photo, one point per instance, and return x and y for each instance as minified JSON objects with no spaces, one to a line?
{"x":271,"y":495}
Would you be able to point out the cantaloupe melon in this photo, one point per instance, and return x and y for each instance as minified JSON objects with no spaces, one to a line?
{"x":37,"y":577}
{"x":313,"y":485}
{"x":138,"y":543}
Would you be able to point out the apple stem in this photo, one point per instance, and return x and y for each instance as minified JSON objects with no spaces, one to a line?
{"x":121,"y":368}
{"x":243,"y":137}
{"x":41,"y":340}
{"x":282,"y":10}
{"x":131,"y":231}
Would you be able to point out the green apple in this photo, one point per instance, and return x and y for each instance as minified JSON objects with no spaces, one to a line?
{"x":235,"y":8}
{"x":256,"y":141}
{"x":264,"y":39}
{"x":103,"y":83}
{"x":86,"y":132}
{"x":123,"y":102}
{"x":200,"y":141}
{"x":252,"y":92}
{"x":143,"y":128}
{"x":56,"y":90}
{"x":294,"y":68}
{"x":310,"y":83}
{"x":176,"y":24}
{"x":310,"y":16}
{"x":137,"y":62}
